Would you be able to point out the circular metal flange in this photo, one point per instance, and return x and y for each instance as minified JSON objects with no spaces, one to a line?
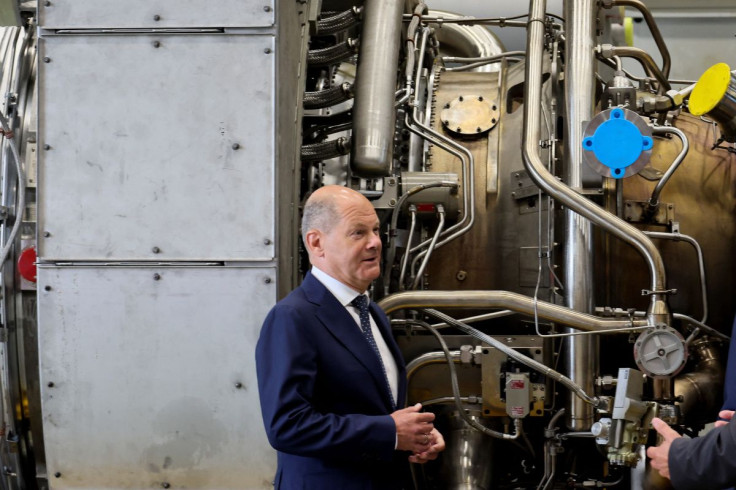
{"x":470,"y":115}
{"x":617,"y":143}
{"x":660,"y":352}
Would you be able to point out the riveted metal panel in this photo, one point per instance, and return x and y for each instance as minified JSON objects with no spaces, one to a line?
{"x":156,"y":147}
{"x":148,"y":376}
{"x":155,"y":14}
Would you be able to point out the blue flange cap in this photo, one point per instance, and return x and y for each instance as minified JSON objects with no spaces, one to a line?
{"x":617,"y":143}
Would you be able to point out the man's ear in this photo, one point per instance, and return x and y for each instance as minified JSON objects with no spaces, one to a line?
{"x":313,"y":243}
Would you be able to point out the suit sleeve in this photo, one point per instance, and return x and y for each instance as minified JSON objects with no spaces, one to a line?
{"x":704,"y":462}
{"x":286,"y":364}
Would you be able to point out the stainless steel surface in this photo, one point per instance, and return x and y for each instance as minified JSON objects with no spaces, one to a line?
{"x":504,"y":300}
{"x":375,"y":86}
{"x":89,"y":14}
{"x":467,"y":40}
{"x":580,"y":22}
{"x":140,"y":187}
{"x":658,"y":309}
{"x":150,"y":379}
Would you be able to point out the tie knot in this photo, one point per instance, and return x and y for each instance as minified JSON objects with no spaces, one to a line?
{"x":360,"y":302}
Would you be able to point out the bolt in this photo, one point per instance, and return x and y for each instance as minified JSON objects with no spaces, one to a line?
{"x":460,"y":98}
{"x":156,"y":17}
{"x":157,"y":277}
{"x":480,"y":98}
{"x":494,"y":107}
{"x":267,"y":280}
{"x":477,"y":130}
{"x":156,"y":44}
{"x":46,"y":147}
{"x":166,"y":485}
{"x":46,"y":59}
{"x":459,"y":129}
{"x":46,"y":234}
{"x":267,"y":50}
{"x":392,"y":202}
{"x":50,"y":384}
{"x":155,"y":250}
{"x":47,"y":288}
{"x":392,"y":182}
{"x":238,"y":385}
{"x":461,"y":275}
{"x":267,"y":241}
{"x":447,"y":106}
{"x":267,"y":8}
{"x":47,"y":3}
{"x":493,"y":120}
{"x":236,"y":146}
{"x":57,"y":474}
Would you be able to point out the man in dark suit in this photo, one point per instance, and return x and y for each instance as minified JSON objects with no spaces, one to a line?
{"x":330,"y":375}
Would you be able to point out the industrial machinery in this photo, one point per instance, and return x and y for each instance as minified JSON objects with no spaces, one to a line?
{"x":557,"y":231}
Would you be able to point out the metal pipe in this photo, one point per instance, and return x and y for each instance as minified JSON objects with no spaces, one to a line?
{"x":656,"y":35}
{"x":642,"y":57}
{"x":509,"y":301}
{"x":375,"y":85}
{"x":467,"y":40}
{"x":701,"y":263}
{"x":432,"y":245}
{"x":405,"y":258}
{"x":479,"y":62}
{"x":579,"y":357}
{"x":658,"y":310}
{"x":427,"y":359}
{"x":654,"y":200}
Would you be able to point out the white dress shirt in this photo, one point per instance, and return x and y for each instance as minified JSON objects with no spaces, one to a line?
{"x":345,"y":295}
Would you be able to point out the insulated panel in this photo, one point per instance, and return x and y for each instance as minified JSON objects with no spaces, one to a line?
{"x":148,"y":377}
{"x":158,"y":14}
{"x":156,"y":147}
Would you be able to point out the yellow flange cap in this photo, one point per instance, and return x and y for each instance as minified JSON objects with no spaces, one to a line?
{"x":710,"y":89}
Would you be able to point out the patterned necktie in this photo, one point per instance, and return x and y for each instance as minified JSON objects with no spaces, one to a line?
{"x":361,"y":303}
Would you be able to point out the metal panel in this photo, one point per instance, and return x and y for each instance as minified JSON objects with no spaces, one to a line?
{"x":9,"y":13}
{"x":159,"y":14}
{"x":156,"y":147}
{"x":147,"y":382}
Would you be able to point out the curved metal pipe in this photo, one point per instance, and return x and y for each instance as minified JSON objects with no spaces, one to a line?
{"x":701,"y":263}
{"x":505,"y":300}
{"x":654,"y":200}
{"x":375,"y":88}
{"x":471,"y":41}
{"x":656,"y":35}
{"x":658,"y":309}
{"x":432,"y":245}
{"x":646,"y":61}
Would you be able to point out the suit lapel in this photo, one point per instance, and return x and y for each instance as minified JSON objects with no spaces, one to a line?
{"x":336,"y":319}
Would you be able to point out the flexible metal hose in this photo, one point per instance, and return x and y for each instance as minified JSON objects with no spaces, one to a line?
{"x":333,"y":54}
{"x":325,"y":150}
{"x":328,"y":97}
{"x":338,"y":23}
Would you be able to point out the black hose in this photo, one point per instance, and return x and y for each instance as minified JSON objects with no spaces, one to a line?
{"x":329,"y":97}
{"x":333,"y":54}
{"x":337,"y":23}
{"x":325,"y":150}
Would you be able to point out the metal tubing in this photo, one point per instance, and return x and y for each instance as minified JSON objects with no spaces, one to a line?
{"x":647,"y":62}
{"x":375,"y":88}
{"x":579,"y":357}
{"x":701,"y":263}
{"x":432,"y":245}
{"x":654,"y":200}
{"x":658,"y":310}
{"x":405,"y":258}
{"x":505,"y":300}
{"x":656,"y":35}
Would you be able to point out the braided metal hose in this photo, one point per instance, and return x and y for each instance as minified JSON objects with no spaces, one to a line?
{"x":333,"y":54}
{"x":339,"y":22}
{"x":325,"y":150}
{"x":329,"y":97}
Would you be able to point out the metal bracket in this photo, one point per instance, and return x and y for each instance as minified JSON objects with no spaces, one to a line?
{"x":647,"y":292}
{"x":636,"y":212}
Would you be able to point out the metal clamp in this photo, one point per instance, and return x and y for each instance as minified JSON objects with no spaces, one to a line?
{"x":647,"y":292}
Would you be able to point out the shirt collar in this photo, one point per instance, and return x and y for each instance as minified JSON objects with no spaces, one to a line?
{"x":344,"y":294}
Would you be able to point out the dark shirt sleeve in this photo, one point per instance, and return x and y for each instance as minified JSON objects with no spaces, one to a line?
{"x":707,"y":462}
{"x":287,"y":362}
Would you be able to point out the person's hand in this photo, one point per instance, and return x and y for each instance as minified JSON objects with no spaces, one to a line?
{"x":436,"y":446}
{"x":724,"y":414}
{"x":660,"y":454}
{"x":414,"y":429}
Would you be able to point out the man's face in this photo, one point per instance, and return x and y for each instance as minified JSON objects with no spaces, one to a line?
{"x":351,"y":251}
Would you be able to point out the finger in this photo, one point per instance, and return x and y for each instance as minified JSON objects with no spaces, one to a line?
{"x":726,"y":414}
{"x":721,"y":423}
{"x":424,"y":417}
{"x":664,"y":430}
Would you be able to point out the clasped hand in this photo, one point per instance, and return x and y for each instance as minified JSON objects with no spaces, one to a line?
{"x":416,"y":433}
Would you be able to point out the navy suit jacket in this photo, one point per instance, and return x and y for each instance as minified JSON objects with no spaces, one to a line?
{"x":324,"y":399}
{"x":704,"y":463}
